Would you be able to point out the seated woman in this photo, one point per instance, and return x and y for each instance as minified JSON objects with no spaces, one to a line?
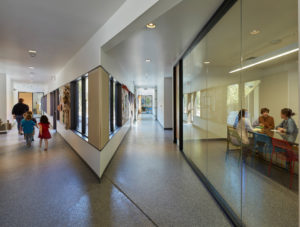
{"x":265,"y":120}
{"x":288,"y":124}
{"x":243,"y":126}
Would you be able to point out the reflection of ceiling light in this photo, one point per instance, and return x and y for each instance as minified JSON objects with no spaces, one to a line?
{"x":254,"y":32}
{"x":151,"y":26}
{"x":206,"y":62}
{"x":148,"y":60}
{"x":265,"y":60}
{"x":31,"y":67}
{"x":32,"y":53}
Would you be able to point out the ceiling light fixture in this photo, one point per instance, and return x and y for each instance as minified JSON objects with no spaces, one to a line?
{"x":265,"y":60}
{"x":32,"y":53}
{"x":254,"y":32}
{"x":31,"y":67}
{"x":148,"y":60}
{"x":151,"y":25}
{"x":206,"y":62}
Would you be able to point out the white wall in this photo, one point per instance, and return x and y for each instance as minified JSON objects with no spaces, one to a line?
{"x":165,"y":102}
{"x":9,"y":98}
{"x":160,"y":101}
{"x":168,"y":103}
{"x":3,"y":99}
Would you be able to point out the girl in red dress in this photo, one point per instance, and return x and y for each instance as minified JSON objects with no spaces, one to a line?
{"x":44,"y":134}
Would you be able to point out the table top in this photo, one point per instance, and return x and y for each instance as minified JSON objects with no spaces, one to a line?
{"x":291,"y":138}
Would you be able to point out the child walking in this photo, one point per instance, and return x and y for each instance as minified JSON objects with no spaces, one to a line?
{"x":28,"y":127}
{"x":34,"y":120}
{"x":44,"y":131}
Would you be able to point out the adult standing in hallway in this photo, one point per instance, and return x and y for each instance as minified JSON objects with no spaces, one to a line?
{"x":18,"y":111}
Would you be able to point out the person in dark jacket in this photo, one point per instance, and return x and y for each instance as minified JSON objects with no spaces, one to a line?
{"x":18,"y":110}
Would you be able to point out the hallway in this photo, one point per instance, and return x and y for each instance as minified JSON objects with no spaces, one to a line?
{"x":147,"y":183}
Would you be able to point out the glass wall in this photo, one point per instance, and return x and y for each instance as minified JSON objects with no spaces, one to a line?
{"x":246,"y":63}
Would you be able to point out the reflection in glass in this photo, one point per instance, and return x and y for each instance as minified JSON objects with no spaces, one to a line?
{"x":228,"y":77}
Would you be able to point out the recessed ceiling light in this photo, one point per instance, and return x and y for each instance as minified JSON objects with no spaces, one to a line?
{"x":151,"y":26}
{"x":148,"y":60}
{"x":31,"y":67}
{"x":206,"y":62}
{"x":254,"y":32}
{"x":32,"y":53}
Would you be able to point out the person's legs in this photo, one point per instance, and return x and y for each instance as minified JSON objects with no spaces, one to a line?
{"x":19,"y":118}
{"x":46,"y":144}
{"x":28,"y":138}
{"x":33,"y":134}
{"x":41,"y":140}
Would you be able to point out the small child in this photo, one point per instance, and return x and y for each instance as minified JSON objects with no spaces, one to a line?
{"x":34,"y":120}
{"x":44,"y":131}
{"x":28,"y":127}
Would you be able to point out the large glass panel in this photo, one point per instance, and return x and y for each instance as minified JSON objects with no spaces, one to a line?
{"x":194,"y":108}
{"x":211,"y":103}
{"x":79,"y":106}
{"x":223,"y":103}
{"x":270,"y":81}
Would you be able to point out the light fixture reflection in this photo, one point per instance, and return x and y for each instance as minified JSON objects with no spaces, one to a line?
{"x":265,"y":60}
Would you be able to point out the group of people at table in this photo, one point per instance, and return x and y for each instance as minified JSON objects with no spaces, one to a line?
{"x":265,"y":122}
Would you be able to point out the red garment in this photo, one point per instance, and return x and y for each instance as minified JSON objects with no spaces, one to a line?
{"x":45,"y":131}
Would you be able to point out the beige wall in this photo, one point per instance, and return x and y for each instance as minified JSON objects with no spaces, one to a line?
{"x":98,"y":108}
{"x":27,"y":96}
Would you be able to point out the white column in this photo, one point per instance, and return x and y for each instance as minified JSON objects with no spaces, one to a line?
{"x":3,"y":97}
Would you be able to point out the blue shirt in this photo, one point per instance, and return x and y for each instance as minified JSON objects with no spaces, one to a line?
{"x":27,"y":126}
{"x":289,"y":125}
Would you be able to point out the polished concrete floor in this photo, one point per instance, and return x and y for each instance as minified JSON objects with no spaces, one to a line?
{"x":148,"y":183}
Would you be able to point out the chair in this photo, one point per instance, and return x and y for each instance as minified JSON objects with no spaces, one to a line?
{"x":291,"y":157}
{"x":234,"y":139}
{"x":265,"y":141}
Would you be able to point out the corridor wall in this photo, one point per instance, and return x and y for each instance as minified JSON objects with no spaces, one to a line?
{"x":98,"y":108}
{"x":97,"y":145}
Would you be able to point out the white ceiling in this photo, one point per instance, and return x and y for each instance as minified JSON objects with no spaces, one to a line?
{"x":174,"y":32}
{"x":55,"y":28}
{"x":176,"y":29}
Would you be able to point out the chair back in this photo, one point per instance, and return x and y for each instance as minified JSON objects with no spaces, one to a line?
{"x":233,"y":137}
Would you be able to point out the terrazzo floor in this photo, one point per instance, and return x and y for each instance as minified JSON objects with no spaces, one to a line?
{"x":148,"y":183}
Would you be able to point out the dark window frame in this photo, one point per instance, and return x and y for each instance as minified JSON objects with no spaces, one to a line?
{"x":75,"y":106}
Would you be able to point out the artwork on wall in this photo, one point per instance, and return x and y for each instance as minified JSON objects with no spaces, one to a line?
{"x":64,"y":106}
{"x":125,"y":104}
